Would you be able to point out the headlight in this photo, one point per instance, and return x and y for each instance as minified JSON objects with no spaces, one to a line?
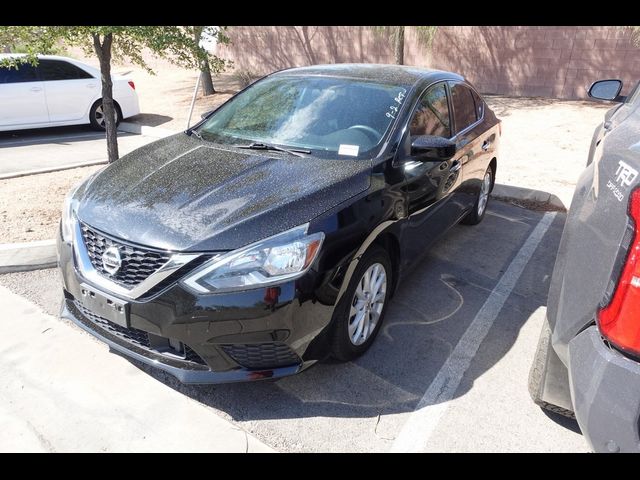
{"x":70,"y":206}
{"x":68,"y":213}
{"x":282,"y":257}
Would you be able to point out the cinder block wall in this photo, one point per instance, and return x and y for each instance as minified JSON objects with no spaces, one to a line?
{"x":528,"y":61}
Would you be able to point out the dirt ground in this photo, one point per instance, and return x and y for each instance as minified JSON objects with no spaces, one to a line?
{"x":544,"y":144}
{"x":30,"y":206}
{"x":545,"y":141}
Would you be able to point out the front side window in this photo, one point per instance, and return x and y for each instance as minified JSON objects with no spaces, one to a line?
{"x":23,"y":73}
{"x":464,"y":109}
{"x":432,"y":114}
{"x":326,"y":115}
{"x":51,"y":70}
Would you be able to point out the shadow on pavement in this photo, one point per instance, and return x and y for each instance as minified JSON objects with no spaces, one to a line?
{"x":566,"y":422}
{"x":431,"y":311}
{"x":150,"y":119}
{"x":54,"y":135}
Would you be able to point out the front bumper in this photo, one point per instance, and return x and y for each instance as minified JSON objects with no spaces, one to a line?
{"x":251,"y":335}
{"x":605,"y":389}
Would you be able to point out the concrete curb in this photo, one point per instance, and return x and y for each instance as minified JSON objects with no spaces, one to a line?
{"x":156,"y":132}
{"x":52,"y":169}
{"x":22,"y":257}
{"x":537,"y":197}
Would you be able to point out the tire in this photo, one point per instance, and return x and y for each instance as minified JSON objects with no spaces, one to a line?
{"x":476,"y":215}
{"x":538,"y":372}
{"x":344,"y":322}
{"x":96,"y":118}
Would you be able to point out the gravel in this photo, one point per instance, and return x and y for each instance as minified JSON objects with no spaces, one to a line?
{"x":30,"y":206}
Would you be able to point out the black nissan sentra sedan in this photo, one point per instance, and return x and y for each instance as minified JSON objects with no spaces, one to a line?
{"x":273,"y":233}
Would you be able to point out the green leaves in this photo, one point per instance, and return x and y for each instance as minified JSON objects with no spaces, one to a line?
{"x":174,"y":43}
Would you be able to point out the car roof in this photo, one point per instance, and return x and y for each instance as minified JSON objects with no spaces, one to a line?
{"x":393,"y":74}
{"x":42,"y":57}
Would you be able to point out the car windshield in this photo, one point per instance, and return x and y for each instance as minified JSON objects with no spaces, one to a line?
{"x":327,"y":115}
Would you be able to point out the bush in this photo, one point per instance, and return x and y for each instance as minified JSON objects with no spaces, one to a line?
{"x":245,"y":77}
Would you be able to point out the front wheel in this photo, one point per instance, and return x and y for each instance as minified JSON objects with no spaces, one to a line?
{"x":360,"y":312}
{"x":97,"y":117}
{"x":476,"y":215}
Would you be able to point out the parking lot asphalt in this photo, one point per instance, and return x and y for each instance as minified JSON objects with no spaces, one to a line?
{"x":448,"y":372}
{"x":46,"y":148}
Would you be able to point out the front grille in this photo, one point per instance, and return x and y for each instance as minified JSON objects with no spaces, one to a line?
{"x":262,"y":355}
{"x":138,"y":263}
{"x":132,"y":335}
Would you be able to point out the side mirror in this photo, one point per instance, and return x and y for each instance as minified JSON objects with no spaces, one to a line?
{"x":606,"y":90}
{"x":206,"y":114}
{"x":429,"y":147}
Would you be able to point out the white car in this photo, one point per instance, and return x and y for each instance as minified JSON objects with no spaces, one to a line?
{"x":59,"y":91}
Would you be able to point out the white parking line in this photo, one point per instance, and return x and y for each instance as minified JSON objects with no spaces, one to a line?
{"x":420,"y":425}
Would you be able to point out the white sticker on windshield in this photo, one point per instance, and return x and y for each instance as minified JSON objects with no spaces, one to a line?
{"x":351,"y":150}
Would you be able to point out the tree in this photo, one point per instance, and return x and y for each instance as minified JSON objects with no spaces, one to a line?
{"x":396,"y":36}
{"x":207,"y":34}
{"x":635,"y":35}
{"x":108,"y":42}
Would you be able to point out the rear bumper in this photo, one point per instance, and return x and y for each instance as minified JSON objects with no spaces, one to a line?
{"x":605,"y":388}
{"x":129,"y":105}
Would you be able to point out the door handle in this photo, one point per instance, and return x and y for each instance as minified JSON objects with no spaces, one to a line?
{"x":455,"y":166}
{"x":35,"y":89}
{"x":486,"y":145}
{"x":91,"y":85}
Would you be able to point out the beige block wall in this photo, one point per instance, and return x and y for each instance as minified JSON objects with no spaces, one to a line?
{"x":529,"y":61}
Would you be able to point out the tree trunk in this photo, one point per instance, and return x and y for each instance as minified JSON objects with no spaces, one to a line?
{"x":398,"y":45}
{"x":205,"y":70}
{"x":207,"y":81}
{"x":103,"y":51}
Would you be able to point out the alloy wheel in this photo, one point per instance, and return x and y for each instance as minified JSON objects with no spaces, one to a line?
{"x":367,"y":304}
{"x":484,"y":193}
{"x":100,"y":116}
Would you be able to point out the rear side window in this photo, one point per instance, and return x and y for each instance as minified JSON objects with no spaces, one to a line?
{"x":58,"y":70}
{"x":464,"y":107}
{"x":479,"y":104}
{"x":432,"y":114}
{"x":24,"y":73}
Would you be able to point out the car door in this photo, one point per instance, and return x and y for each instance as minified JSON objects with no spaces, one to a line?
{"x":69,"y":90}
{"x":431,"y":186}
{"x":22,"y":98}
{"x":474,"y":144}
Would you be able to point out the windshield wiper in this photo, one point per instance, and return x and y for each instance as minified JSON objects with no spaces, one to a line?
{"x":265,"y":146}
{"x":196,"y":134}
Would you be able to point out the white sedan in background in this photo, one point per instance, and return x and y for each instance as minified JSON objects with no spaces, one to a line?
{"x":59,"y":91}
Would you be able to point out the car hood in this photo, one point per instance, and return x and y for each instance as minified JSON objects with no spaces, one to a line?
{"x":183,"y":194}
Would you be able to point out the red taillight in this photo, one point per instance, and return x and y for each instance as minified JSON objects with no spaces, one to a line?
{"x":619,"y":321}
{"x":131,"y":84}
